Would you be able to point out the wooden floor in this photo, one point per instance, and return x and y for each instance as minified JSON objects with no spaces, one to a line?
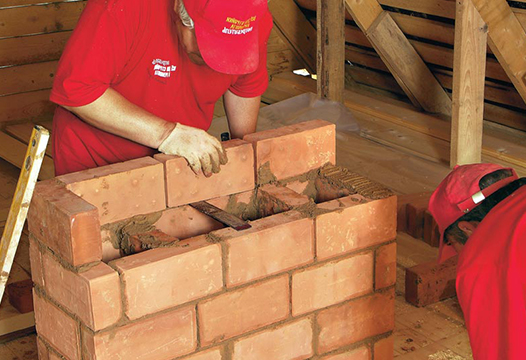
{"x":436,"y":332}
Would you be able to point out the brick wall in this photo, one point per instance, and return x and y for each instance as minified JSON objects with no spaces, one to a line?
{"x":124,"y":269}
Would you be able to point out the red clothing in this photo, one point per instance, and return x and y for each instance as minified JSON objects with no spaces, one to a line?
{"x":132,"y":47}
{"x":491,"y":282}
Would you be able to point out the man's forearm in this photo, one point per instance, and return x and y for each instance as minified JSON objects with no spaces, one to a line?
{"x":115,"y":114}
{"x":242,"y":114}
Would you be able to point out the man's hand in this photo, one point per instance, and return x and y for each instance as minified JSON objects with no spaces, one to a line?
{"x":201,"y":150}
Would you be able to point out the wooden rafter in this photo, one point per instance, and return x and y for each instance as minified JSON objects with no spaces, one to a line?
{"x":469,"y":67}
{"x":400,"y":57}
{"x":507,"y":39}
{"x":296,"y":29}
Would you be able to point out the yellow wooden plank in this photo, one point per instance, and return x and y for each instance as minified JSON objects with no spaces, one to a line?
{"x":23,"y":133}
{"x":13,"y":150}
{"x":9,"y":3}
{"x":507,"y":39}
{"x":24,"y":78}
{"x":468,"y":85}
{"x":331,"y":49}
{"x":18,"y":212}
{"x":407,"y":66}
{"x":298,"y":31}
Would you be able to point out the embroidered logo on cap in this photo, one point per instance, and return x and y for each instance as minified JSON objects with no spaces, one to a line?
{"x":238,"y":27}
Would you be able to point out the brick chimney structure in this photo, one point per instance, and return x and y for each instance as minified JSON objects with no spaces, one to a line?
{"x":124,"y":268}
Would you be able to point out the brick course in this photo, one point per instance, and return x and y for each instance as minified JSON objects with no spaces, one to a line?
{"x":311,"y":279}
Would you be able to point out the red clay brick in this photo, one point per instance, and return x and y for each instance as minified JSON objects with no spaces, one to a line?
{"x":222,"y":202}
{"x":355,"y":321}
{"x":403,"y":200}
{"x":94,"y":295}
{"x":295,"y":149}
{"x":289,"y":197}
{"x":161,"y":337}
{"x":355,"y":224}
{"x":20,"y":295}
{"x":66,"y":223}
{"x":274,"y":244}
{"x":431,"y":233}
{"x":362,"y":353}
{"x":183,"y":186}
{"x":57,"y":328}
{"x":430,"y":282}
{"x":385,"y":273}
{"x":159,"y":279}
{"x":121,"y":190}
{"x":384,"y":349}
{"x":44,"y":353}
{"x":185,"y":222}
{"x":332,"y":283}
{"x":214,"y":354}
{"x":240,"y":311}
{"x":35,"y":258}
{"x":290,"y":341}
{"x":298,"y":186}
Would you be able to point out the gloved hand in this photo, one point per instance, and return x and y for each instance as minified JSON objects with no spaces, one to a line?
{"x":201,"y":150}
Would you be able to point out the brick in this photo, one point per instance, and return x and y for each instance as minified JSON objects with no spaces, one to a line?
{"x":355,"y":223}
{"x":57,"y":328}
{"x":93,"y":295}
{"x":109,"y":252}
{"x":20,"y":295}
{"x":148,"y":240}
{"x":293,"y":150}
{"x":287,"y":196}
{"x":385,"y":272}
{"x":355,"y":321}
{"x":121,"y":190}
{"x":183,"y":186}
{"x":214,"y":354}
{"x":44,"y":353}
{"x":332,"y":283}
{"x":362,"y":353}
{"x":403,"y":200}
{"x":35,"y":258}
{"x":384,"y":349}
{"x":274,"y":244}
{"x":243,"y":310}
{"x":65,"y":223}
{"x":159,"y":279}
{"x":326,"y":191}
{"x":430,"y":282}
{"x":431,"y":233}
{"x":185,"y":222}
{"x":291,"y":341}
{"x":415,"y":211}
{"x":162,"y":337}
{"x":298,"y":186}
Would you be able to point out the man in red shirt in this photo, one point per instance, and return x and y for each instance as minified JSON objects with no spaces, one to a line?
{"x":481,"y":213}
{"x":141,"y":75}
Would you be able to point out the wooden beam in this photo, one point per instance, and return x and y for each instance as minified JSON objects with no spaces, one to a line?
{"x":296,"y":29}
{"x":469,"y":67}
{"x":507,"y":39}
{"x":407,"y":66}
{"x":331,"y":49}
{"x":400,"y":57}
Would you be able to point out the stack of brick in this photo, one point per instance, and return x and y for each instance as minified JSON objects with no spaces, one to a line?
{"x":312,"y":279}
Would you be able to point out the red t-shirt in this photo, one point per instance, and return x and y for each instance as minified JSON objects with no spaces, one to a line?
{"x":491,"y":282}
{"x":132,"y":47}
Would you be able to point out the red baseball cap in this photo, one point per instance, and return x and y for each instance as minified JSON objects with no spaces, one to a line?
{"x":227,"y":32}
{"x":460,"y":193}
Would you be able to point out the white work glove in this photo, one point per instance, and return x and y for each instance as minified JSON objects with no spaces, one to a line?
{"x":201,"y":150}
